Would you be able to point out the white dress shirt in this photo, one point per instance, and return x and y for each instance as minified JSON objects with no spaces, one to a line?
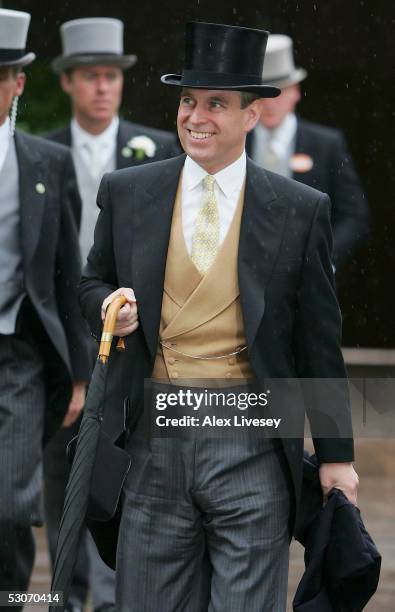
{"x":100,"y":146}
{"x":282,"y":140}
{"x":229,"y":182}
{"x":4,"y":140}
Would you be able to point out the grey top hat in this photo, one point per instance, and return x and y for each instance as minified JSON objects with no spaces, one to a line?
{"x":279,"y":67}
{"x":93,"y":40}
{"x":13,"y":33}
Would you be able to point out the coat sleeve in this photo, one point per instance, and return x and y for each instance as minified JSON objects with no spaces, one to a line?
{"x":319,"y":360}
{"x":350,"y":213}
{"x":99,"y":277}
{"x":68,"y":268}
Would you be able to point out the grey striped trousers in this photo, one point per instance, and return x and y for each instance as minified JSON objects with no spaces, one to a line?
{"x":204,"y":526}
{"x":22,"y":404}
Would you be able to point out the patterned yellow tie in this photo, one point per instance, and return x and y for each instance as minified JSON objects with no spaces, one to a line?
{"x":205,"y":239}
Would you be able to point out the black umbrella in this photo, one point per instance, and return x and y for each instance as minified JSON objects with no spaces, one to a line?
{"x":77,"y":490}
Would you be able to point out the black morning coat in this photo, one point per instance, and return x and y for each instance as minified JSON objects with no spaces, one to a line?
{"x":291,"y":316}
{"x":334,"y":173}
{"x":49,"y":207}
{"x":342,"y":562}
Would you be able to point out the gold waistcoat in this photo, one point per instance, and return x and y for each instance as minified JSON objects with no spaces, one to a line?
{"x":201,"y":315}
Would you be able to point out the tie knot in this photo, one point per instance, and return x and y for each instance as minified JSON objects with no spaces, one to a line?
{"x":209,"y":182}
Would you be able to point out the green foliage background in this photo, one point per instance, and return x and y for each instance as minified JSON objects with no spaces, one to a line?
{"x":43,"y":106}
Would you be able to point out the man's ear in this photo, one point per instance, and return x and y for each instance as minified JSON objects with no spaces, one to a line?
{"x":20,"y":83}
{"x":254,"y":112}
{"x":297,"y":94}
{"x":65,"y":82}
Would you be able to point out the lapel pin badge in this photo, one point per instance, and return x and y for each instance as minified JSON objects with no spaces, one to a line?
{"x":301,"y":162}
{"x":40,"y":188}
{"x":126,"y":152}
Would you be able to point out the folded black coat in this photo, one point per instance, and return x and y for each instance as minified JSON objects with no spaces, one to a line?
{"x":341,"y":559}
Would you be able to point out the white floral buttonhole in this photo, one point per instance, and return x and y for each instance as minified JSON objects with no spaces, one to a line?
{"x":139,"y":146}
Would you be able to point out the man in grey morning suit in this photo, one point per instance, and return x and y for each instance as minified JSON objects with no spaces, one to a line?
{"x":91,"y":74}
{"x":43,"y":352}
{"x":220,"y":259}
{"x":310,"y":153}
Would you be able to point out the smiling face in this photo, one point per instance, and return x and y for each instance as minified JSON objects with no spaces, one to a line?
{"x":212,"y":126}
{"x":11,"y":85}
{"x":95,"y":93}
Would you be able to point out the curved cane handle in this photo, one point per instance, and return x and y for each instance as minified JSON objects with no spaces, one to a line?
{"x":108,"y":328}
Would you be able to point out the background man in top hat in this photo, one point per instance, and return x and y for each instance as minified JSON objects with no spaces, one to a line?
{"x":43,"y":356}
{"x":91,"y":73}
{"x":308,"y":152}
{"x":219,"y":259}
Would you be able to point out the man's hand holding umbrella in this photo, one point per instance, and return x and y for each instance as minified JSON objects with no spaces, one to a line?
{"x":119,"y":320}
{"x":127,"y":319}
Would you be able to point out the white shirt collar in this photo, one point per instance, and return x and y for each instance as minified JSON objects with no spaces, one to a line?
{"x":80,"y":137}
{"x":4,"y":132}
{"x":4,"y":140}
{"x":228,"y":180}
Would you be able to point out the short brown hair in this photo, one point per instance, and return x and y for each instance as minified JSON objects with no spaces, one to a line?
{"x":248,"y":98}
{"x":10,"y":70}
{"x":15,"y":70}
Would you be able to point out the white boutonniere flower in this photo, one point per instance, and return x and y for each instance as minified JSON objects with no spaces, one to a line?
{"x":142,"y":146}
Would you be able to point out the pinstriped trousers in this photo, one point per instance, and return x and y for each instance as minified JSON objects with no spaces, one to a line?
{"x":204,"y":526}
{"x":22,"y":403}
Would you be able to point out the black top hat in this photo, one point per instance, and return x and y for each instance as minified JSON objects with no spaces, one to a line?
{"x":223,"y":57}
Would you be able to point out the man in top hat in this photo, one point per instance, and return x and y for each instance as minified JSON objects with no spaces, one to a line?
{"x":91,"y":70}
{"x":43,"y":352}
{"x":227,"y":273}
{"x":308,"y":152}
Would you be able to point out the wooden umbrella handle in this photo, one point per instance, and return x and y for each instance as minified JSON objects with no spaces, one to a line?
{"x":108,"y":328}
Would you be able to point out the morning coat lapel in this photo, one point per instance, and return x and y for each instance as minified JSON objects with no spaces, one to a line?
{"x":125,"y":133}
{"x":32,"y":179}
{"x":299,"y":145}
{"x":261,"y":231}
{"x":64,"y":136}
{"x":152,"y":216}
{"x":303,"y":144}
{"x":299,"y":141}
